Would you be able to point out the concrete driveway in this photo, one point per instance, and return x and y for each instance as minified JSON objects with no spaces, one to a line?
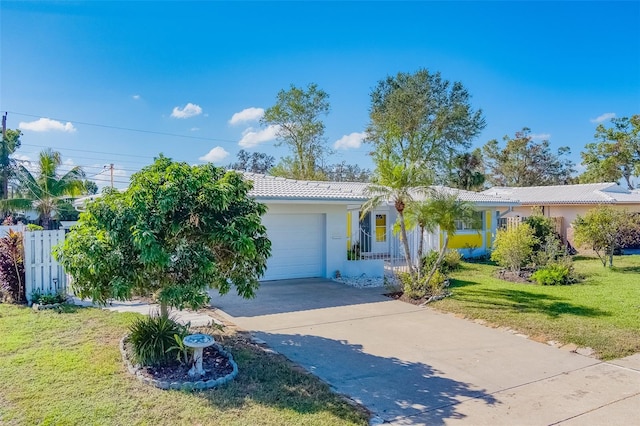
{"x":412,"y":365}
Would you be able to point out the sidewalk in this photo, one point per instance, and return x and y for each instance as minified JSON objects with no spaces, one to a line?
{"x":197,"y":319}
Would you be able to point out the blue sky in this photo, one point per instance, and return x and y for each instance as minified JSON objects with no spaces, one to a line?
{"x":186,"y":68}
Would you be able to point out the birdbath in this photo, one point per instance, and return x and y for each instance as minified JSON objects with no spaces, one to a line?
{"x":198,"y":342}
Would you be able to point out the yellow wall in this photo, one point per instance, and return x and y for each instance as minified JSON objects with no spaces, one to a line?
{"x":348,"y":230}
{"x":460,"y":241}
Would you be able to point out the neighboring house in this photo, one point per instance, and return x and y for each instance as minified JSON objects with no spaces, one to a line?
{"x":565,"y":202}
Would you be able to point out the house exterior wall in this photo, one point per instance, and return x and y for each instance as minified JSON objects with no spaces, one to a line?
{"x":335,"y":250}
{"x":569,"y":213}
{"x":473,"y":243}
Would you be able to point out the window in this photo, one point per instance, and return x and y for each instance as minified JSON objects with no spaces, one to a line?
{"x":473,"y":225}
{"x":381,"y":228}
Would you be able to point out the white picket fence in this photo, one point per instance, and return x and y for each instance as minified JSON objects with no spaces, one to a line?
{"x":42,"y":272}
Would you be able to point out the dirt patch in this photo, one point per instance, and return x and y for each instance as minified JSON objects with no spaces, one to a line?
{"x":214,"y":363}
{"x":523,"y":276}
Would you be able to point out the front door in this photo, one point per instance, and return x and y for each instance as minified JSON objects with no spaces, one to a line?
{"x":380,"y":237}
{"x":365,"y":233}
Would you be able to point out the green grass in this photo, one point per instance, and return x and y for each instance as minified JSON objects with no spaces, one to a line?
{"x":66,"y":369}
{"x":601,"y":312}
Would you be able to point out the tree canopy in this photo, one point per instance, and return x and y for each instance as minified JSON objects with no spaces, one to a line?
{"x":10,"y":142}
{"x":421,"y":119}
{"x":175,"y":232}
{"x":616,"y":153}
{"x":297,"y":118}
{"x":600,"y":230}
{"x":255,"y":162}
{"x":47,"y":189}
{"x":526,"y":162}
{"x":343,"y":172}
{"x":468,"y":172}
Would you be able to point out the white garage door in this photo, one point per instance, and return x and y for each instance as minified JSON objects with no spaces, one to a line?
{"x":297,"y":245}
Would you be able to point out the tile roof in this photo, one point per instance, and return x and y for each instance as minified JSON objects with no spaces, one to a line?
{"x":589,"y":193}
{"x":478,"y":197}
{"x":277,"y":188}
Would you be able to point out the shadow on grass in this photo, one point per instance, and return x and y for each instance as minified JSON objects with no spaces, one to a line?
{"x":627,"y":269}
{"x":390,"y":388}
{"x":524,"y":301}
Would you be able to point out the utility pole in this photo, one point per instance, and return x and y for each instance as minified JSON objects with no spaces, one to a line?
{"x":111,"y":169}
{"x":5,"y":159}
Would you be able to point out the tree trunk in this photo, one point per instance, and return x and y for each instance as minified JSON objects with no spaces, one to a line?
{"x":436,"y":265}
{"x":420,"y":243}
{"x":405,"y":243}
{"x":164,"y":309}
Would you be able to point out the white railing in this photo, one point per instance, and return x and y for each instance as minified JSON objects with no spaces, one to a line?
{"x":42,"y":272}
{"x":362,"y":246}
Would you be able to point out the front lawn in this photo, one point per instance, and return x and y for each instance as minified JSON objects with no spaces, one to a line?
{"x":65,"y":368}
{"x":602,"y":312}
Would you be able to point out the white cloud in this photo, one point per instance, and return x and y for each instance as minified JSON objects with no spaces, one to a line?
{"x":251,"y":138}
{"x":247,"y":114}
{"x":194,"y":129}
{"x":189,"y":110}
{"x":136,"y":97}
{"x":540,"y":136}
{"x":47,"y":125}
{"x":350,"y":141}
{"x":604,"y":117}
{"x":216,"y":155}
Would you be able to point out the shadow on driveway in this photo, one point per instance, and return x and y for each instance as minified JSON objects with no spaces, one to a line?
{"x":277,"y":297}
{"x":395,"y":390}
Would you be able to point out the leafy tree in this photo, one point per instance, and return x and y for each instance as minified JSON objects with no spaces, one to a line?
{"x":343,"y":172}
{"x":615,"y":154}
{"x":45,"y":191}
{"x":12,"y":266}
{"x":525,"y":162}
{"x":629,"y":236}
{"x":543,"y":227}
{"x":90,"y":187}
{"x":600,"y":229}
{"x":297,"y":117}
{"x":440,"y":211}
{"x":513,"y":246}
{"x":421,"y":119}
{"x":255,"y":162}
{"x":468,"y":173}
{"x":10,"y":142}
{"x":175,"y":232}
{"x":397,"y":184}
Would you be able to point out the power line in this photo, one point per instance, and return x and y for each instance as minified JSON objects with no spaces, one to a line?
{"x":89,"y":151}
{"x":128,"y":129}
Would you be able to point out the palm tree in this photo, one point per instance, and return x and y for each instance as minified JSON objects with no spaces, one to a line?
{"x":397,"y":184}
{"x":45,"y":191}
{"x":442,"y":209}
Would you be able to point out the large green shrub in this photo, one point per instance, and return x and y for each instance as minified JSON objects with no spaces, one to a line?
{"x":552,"y":274}
{"x":513,"y":247}
{"x":153,"y":339}
{"x":421,"y":288}
{"x":543,"y":228}
{"x":450,"y":262}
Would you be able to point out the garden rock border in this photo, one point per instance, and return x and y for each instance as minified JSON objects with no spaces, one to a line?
{"x":179,"y":385}
{"x":39,"y":307}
